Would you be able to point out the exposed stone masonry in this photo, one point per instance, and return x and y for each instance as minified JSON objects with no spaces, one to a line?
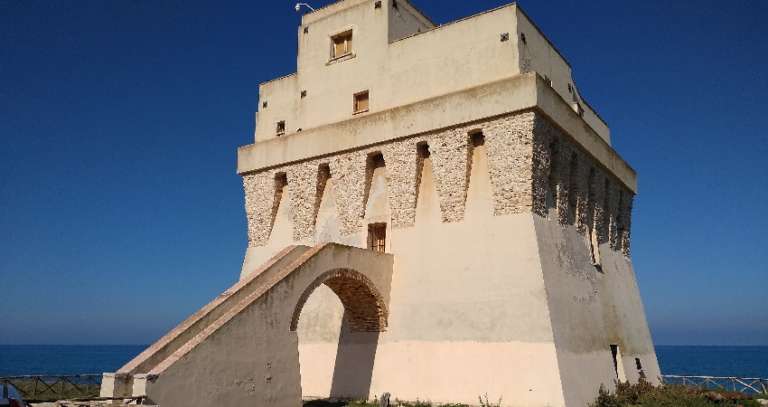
{"x":510,"y":164}
{"x":302,"y":188}
{"x":450,"y":159}
{"x":554,"y":157}
{"x":525,"y":176}
{"x":349,"y":174}
{"x":364,"y":309}
{"x":259,"y":202}
{"x":403,"y":183}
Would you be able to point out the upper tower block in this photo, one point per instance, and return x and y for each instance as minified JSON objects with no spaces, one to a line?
{"x":359,"y":57}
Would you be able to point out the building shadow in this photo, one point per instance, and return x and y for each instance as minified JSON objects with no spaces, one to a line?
{"x":353,"y":370}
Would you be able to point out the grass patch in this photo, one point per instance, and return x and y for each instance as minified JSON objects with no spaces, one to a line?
{"x":672,"y":395}
{"x":375,"y":403}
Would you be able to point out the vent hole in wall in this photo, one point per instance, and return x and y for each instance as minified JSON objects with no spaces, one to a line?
{"x":423,"y":150}
{"x":375,"y":160}
{"x":477,"y":138}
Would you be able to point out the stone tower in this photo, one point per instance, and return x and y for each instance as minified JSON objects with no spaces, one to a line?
{"x":434,"y":212}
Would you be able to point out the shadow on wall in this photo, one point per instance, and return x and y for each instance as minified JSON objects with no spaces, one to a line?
{"x":353,"y":369}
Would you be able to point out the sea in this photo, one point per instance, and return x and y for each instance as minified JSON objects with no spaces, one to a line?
{"x":739,"y":361}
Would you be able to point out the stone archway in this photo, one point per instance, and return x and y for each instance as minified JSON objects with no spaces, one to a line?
{"x":242,"y":349}
{"x":364,"y":306}
{"x":339,"y":334}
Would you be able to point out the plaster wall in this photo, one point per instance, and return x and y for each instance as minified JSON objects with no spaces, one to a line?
{"x":592,"y":309}
{"x":490,"y":333}
{"x":405,"y":20}
{"x":509,"y":96}
{"x":400,"y":58}
{"x":519,"y":163}
{"x":490,"y":284}
{"x":483,"y":262}
{"x":537,"y":54}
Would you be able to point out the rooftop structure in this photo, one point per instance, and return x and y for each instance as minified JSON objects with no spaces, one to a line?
{"x":433,"y":212}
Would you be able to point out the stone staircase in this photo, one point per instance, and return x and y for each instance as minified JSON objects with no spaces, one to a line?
{"x":130,"y":379}
{"x":215,"y":354}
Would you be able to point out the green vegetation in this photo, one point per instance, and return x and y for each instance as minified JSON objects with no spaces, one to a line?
{"x":646,"y":395}
{"x":375,"y":403}
{"x":642,"y":394}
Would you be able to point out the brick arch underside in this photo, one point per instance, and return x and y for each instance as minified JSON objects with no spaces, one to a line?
{"x":364,"y":306}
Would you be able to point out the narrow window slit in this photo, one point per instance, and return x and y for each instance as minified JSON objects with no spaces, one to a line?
{"x":614,"y":355}
{"x":639,"y":366}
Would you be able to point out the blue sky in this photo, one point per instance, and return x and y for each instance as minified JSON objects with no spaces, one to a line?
{"x":121,"y":212}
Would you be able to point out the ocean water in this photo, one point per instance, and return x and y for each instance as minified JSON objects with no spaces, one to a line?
{"x":741,"y":361}
{"x":64,"y":359}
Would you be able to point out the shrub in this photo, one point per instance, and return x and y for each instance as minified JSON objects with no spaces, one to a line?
{"x":647,"y":395}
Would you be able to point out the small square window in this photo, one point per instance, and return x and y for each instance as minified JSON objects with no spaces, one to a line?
{"x":360,"y":102}
{"x":280,"y":130}
{"x":377,"y":237}
{"x":341,"y":44}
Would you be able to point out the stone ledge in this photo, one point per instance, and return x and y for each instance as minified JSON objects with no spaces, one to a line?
{"x":506,"y":96}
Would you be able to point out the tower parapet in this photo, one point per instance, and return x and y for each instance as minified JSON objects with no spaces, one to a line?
{"x":392,"y":51}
